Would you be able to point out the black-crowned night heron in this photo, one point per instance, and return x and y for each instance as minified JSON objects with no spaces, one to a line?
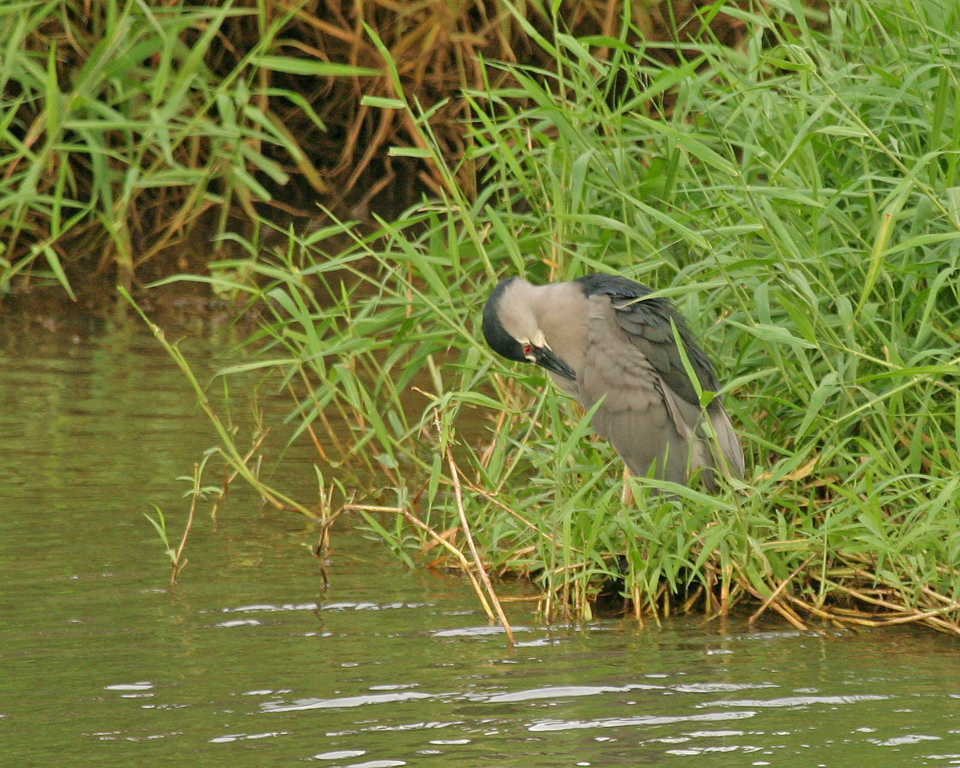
{"x":603,"y":336}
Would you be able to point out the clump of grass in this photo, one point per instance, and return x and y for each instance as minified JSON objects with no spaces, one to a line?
{"x":130,"y":127}
{"x":136,"y":134}
{"x":798,"y":203}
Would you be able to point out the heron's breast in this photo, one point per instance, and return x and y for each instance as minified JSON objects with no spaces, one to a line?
{"x":618,"y":371}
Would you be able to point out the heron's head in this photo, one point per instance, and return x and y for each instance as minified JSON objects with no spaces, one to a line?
{"x":512,"y":329}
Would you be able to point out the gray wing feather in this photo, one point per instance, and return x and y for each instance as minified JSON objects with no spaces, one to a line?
{"x":727,"y":441}
{"x":650,"y":322}
{"x":650,"y":325}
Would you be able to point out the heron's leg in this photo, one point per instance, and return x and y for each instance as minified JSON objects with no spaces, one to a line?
{"x":626,"y":495}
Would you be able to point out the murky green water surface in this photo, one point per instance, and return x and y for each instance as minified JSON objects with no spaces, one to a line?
{"x":247,"y":663}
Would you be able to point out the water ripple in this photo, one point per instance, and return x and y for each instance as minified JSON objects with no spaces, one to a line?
{"x":796,"y":701}
{"x":621,"y":722}
{"x":344,"y":701}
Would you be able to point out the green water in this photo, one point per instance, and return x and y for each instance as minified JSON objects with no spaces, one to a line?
{"x":249,"y":663}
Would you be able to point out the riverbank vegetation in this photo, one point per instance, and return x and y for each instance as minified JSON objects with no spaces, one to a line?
{"x":796,"y":194}
{"x":140,"y":138}
{"x":797,"y":199}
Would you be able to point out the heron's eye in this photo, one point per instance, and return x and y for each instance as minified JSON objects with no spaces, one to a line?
{"x":527,"y":349}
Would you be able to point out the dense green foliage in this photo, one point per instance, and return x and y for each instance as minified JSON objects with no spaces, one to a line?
{"x":137,"y":137}
{"x":797,"y":196}
{"x":126,"y":124}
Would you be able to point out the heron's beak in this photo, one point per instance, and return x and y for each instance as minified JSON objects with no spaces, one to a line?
{"x":547,"y":358}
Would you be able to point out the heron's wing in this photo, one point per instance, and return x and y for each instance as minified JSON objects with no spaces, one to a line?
{"x":648,"y":422}
{"x":651,"y":329}
{"x":649,"y":323}
{"x":650,"y":410}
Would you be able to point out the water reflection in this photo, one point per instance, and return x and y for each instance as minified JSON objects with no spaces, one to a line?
{"x":248,"y":662}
